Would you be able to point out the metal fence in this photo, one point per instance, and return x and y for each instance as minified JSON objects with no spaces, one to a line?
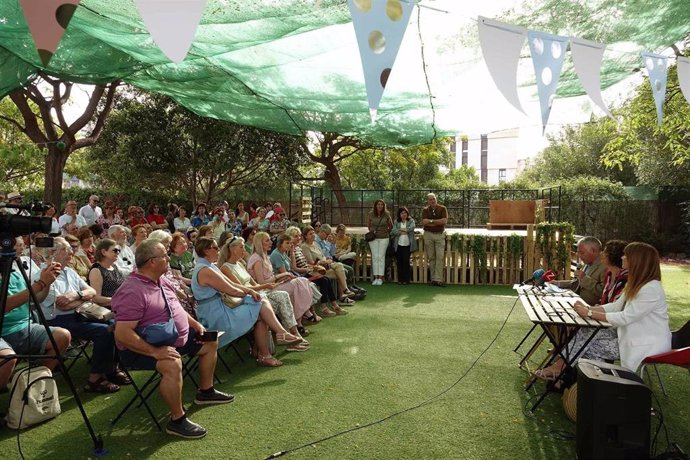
{"x":466,"y":208}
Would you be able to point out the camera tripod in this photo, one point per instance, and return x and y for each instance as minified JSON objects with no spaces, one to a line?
{"x":7,"y":257}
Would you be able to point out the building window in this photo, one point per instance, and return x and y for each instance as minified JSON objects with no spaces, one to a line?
{"x":501,"y":175}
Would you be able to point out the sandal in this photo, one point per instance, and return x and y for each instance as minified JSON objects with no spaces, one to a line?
{"x":339,"y":311}
{"x":119,"y":378}
{"x":325,"y":311}
{"x":285,"y":338}
{"x":298,"y":347}
{"x":101,"y":386}
{"x":268,"y":361}
{"x":545,"y":374}
{"x":346,"y":301}
{"x":304,"y":332}
{"x":348,"y":293}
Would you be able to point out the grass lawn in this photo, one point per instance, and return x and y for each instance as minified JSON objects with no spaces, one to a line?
{"x":399,"y":348}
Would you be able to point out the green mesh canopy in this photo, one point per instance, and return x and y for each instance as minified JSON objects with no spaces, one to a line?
{"x":293,"y":66}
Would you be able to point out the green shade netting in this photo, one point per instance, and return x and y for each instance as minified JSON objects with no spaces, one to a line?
{"x":293,"y":66}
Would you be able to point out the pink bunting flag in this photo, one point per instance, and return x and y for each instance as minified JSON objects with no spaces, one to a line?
{"x":47,"y":20}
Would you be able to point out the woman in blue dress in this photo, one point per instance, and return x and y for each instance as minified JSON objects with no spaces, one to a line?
{"x":208,"y":283}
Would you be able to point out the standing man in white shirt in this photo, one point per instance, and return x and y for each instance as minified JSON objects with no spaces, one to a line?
{"x":91,"y":211}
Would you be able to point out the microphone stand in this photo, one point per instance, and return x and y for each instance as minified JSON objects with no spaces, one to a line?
{"x":7,"y":257}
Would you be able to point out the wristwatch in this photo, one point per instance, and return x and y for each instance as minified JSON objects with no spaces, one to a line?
{"x":81,"y":296}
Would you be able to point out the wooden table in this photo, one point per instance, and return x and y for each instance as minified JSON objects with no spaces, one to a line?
{"x":553,"y":312}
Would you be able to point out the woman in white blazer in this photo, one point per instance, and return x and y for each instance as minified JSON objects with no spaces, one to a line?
{"x":641,"y":313}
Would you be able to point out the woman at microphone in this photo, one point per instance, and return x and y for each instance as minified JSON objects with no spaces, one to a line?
{"x":604,"y":346}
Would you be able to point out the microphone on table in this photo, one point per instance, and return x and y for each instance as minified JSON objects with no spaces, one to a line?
{"x":549,"y":276}
{"x":537,"y":278}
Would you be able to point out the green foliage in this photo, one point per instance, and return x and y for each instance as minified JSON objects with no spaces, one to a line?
{"x":661,"y":155}
{"x":151,"y":143}
{"x":21,"y":161}
{"x":555,"y":241}
{"x":515,"y":246}
{"x":576,"y":151}
{"x":409,"y":168}
{"x":478,"y":247}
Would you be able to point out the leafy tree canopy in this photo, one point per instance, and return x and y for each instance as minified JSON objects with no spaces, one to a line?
{"x":21,"y":161}
{"x":153,"y":143}
{"x":409,"y":168}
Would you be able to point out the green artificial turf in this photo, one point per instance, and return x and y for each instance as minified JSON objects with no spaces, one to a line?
{"x":401,"y":347}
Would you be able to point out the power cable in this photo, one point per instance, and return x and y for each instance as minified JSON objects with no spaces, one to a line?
{"x":402,"y":411}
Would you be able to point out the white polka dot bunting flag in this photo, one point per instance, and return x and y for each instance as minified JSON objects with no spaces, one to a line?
{"x":47,"y":21}
{"x":656,"y":66}
{"x":379,"y":26}
{"x":548,"y":54}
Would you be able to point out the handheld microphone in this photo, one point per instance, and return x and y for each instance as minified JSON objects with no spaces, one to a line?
{"x":536,"y":279}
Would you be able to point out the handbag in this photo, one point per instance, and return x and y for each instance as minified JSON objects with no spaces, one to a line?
{"x":369,"y":236}
{"x":94,"y":313}
{"x":231,"y":301}
{"x":160,"y":334}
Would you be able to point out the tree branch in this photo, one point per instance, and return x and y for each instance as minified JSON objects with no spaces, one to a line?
{"x":31,"y":129}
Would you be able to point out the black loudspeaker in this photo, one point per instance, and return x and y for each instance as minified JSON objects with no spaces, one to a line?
{"x":613,"y":412}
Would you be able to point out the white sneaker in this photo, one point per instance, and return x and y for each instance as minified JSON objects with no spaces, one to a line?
{"x":375,"y":282}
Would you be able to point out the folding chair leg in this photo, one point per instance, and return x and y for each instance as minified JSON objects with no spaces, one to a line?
{"x":661,"y":382}
{"x":138,"y":395}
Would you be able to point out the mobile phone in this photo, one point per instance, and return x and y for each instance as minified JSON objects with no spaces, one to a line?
{"x":209,"y":336}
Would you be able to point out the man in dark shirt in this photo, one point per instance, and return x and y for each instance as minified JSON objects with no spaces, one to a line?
{"x":434,"y":220}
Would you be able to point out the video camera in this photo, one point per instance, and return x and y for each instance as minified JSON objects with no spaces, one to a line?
{"x":14,"y":225}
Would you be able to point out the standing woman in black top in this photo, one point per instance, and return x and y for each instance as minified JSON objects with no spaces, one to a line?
{"x":104,"y":276}
{"x":380,"y":223}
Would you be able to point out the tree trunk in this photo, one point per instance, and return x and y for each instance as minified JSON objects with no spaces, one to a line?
{"x":55,"y":167}
{"x":332,"y":177}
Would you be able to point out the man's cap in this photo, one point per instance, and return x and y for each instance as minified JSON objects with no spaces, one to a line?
{"x":13,"y":195}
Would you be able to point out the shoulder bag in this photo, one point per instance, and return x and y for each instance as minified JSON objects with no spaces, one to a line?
{"x":160,"y":334}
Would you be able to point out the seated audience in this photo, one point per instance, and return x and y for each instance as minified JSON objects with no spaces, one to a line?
{"x":87,"y":250}
{"x":334,"y":270}
{"x":589,"y":279}
{"x":146,"y":298}
{"x":248,"y":236}
{"x":326,"y":241}
{"x":241,"y":214}
{"x":70,"y":221}
{"x":200,"y":217}
{"x":183,"y":291}
{"x":640,"y":314}
{"x":205,"y":231}
{"x":109,"y":216}
{"x":604,"y":345}
{"x":181,"y":259}
{"x":104,"y":277}
{"x":20,"y":334}
{"x":217,"y":223}
{"x":182,"y":222}
{"x":136,"y":217}
{"x":79,"y":265}
{"x":66,"y":294}
{"x":281,"y":301}
{"x":97,"y":232}
{"x":170,"y":217}
{"x":261,"y":270}
{"x":155,"y":219}
{"x":234,"y":224}
{"x":125,"y":261}
{"x":260,"y":223}
{"x":51,"y":212}
{"x":343,"y":246}
{"x":208,"y":283}
{"x":140,"y":233}
{"x":314,"y":272}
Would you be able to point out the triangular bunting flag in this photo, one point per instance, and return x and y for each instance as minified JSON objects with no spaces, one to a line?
{"x":172,"y":24}
{"x":47,"y":21}
{"x":379,"y":26}
{"x":548,"y":54}
{"x":684,"y":76}
{"x":658,"y":72}
{"x":587,"y":56}
{"x":501,"y":44}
